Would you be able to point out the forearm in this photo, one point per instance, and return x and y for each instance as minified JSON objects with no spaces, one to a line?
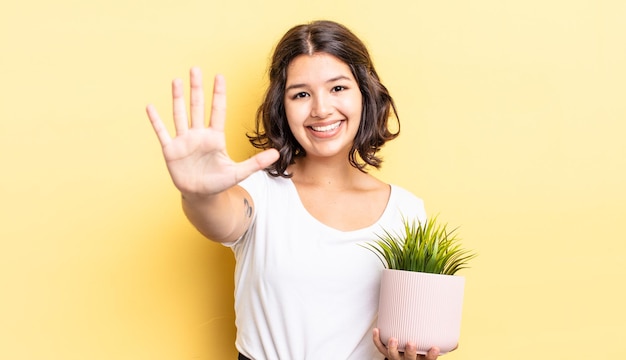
{"x":223,"y":217}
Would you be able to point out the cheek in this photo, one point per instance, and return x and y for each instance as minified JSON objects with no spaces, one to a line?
{"x":296,"y":112}
{"x":353,"y":106}
{"x":292,"y":120}
{"x":290,"y":117}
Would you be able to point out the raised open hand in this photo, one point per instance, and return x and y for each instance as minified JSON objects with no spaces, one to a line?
{"x":196,"y":157}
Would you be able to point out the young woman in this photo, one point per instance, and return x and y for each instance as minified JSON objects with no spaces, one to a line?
{"x":295,"y":213}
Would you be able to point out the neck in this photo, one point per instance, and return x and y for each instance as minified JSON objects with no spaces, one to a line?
{"x":337,"y":173}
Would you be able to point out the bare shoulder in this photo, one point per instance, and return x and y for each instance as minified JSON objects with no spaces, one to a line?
{"x":372,"y":183}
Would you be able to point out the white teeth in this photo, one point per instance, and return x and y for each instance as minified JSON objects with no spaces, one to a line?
{"x":327,"y":127}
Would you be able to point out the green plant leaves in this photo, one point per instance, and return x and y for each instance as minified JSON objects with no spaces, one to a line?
{"x":427,"y":247}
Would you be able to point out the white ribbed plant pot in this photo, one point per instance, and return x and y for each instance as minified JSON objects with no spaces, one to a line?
{"x":422,"y":308}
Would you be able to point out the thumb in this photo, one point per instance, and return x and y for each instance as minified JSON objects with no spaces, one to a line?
{"x":256,"y":163}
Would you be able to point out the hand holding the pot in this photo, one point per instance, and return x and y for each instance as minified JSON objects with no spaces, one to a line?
{"x":391,"y":352}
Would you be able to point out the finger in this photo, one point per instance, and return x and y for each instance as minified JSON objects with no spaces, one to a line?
{"x":392,"y":349}
{"x":255,"y":163}
{"x":218,"y":105}
{"x":158,"y":126}
{"x":197,"y":98}
{"x":410,"y":351}
{"x":378,"y":343}
{"x":432,"y":354}
{"x":180,"y":112}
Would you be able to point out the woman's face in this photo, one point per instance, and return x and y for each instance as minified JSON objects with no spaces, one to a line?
{"x":323,"y":104}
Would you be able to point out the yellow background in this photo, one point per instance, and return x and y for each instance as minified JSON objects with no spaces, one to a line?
{"x":514,"y":118}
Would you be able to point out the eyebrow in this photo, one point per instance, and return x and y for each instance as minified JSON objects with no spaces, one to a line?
{"x":336,"y":78}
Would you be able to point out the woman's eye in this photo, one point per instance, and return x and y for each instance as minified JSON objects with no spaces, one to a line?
{"x":338,"y":88}
{"x":300,"y":95}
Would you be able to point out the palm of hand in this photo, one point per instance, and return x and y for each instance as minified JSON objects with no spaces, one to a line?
{"x":196,"y":158}
{"x":198,"y":162}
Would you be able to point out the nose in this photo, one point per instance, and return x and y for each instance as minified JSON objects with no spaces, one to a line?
{"x":321,"y":107}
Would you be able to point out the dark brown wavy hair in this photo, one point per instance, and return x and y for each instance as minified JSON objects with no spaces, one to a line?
{"x":272,"y":129}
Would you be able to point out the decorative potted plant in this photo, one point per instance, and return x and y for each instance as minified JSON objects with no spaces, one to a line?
{"x":421,"y":298}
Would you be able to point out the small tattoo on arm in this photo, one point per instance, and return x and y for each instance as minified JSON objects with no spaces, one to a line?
{"x":248,"y":208}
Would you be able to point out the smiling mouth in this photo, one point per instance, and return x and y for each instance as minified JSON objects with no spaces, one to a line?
{"x":326,"y":128}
